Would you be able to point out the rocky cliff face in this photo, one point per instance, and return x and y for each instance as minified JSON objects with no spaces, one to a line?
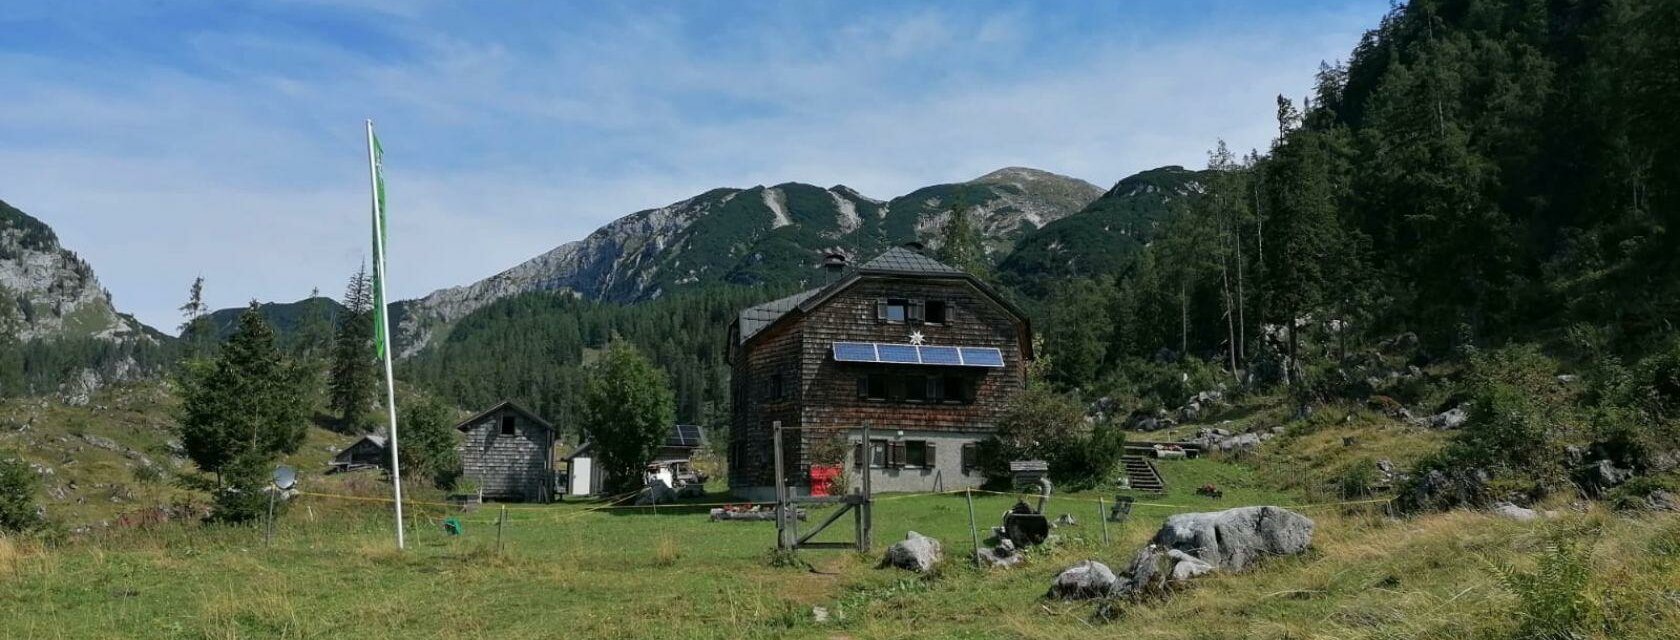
{"x":761,"y":235}
{"x":49,"y":292}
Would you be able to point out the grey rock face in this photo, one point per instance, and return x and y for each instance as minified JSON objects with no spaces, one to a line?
{"x":1233,"y":539}
{"x":1513,"y":512}
{"x":1087,"y":579}
{"x":915,"y":552}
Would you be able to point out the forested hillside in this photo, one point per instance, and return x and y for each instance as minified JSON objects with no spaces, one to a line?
{"x":531,"y":349}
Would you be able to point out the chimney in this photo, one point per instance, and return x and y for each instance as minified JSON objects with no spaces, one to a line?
{"x":834,"y":263}
{"x":915,"y":245}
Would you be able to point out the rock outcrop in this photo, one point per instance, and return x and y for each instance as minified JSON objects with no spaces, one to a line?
{"x":915,"y":552}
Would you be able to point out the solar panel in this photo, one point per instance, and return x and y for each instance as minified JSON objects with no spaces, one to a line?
{"x":898,"y":353}
{"x":854,"y":352}
{"x":941,"y":356}
{"x":982,"y":357}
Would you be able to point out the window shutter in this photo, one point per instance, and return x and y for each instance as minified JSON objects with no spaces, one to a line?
{"x":914,"y":311}
{"x":895,"y":454}
{"x":881,"y":310}
{"x":970,"y":456}
{"x":863,"y":386}
{"x":930,"y":456}
{"x":857,"y":455}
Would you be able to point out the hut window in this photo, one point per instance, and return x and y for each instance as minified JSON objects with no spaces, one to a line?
{"x":970,"y":456}
{"x":508,"y":426}
{"x":777,"y":389}
{"x":935,"y":312}
{"x":892,"y":310}
{"x":872,"y":386}
{"x":918,"y":453}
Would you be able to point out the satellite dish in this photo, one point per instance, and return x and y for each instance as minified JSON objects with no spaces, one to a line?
{"x":285,"y":477}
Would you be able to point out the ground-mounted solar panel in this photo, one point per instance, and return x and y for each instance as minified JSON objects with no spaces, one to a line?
{"x":898,"y":353}
{"x":946,"y":356}
{"x":688,"y":435}
{"x":982,"y":357}
{"x":854,"y":352}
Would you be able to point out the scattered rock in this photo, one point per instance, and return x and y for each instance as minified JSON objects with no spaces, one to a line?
{"x":1662,"y":500}
{"x":915,"y":552}
{"x":1603,"y":474}
{"x":1513,"y":512}
{"x":1087,"y":579}
{"x":819,"y":615}
{"x":1234,"y":538}
{"x":1004,"y":555}
{"x":657,"y":492}
{"x":1066,"y":519}
{"x":103,"y":443}
{"x":1450,"y":419}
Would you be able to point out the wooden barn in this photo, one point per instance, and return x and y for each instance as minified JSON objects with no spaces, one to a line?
{"x":928,"y":355}
{"x":370,"y":452}
{"x":509,"y":452}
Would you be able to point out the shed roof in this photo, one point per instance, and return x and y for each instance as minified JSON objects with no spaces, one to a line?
{"x":505,"y":404}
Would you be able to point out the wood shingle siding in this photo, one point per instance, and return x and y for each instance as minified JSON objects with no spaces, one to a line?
{"x":787,"y":347}
{"x":509,"y":453}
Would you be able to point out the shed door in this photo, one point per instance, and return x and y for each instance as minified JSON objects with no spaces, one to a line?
{"x":580,"y":472}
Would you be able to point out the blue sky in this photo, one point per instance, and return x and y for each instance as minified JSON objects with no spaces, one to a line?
{"x":165,"y":140}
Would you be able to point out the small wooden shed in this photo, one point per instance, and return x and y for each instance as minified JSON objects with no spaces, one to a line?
{"x":509,"y":452}
{"x":585,"y":478}
{"x":367,"y":453}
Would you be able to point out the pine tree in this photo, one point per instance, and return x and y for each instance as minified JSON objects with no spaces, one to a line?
{"x":239,"y":411}
{"x":196,"y":330}
{"x":352,"y":380}
{"x":1300,"y":230}
{"x":960,"y":244}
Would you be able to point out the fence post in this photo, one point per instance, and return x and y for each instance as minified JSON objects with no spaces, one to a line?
{"x":1102,"y":516}
{"x":973,"y":533}
{"x":500,"y":522}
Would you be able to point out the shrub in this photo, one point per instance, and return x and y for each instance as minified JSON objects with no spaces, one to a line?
{"x":1553,"y":599}
{"x":1357,"y":481}
{"x":17,"y":497}
{"x":1040,"y":424}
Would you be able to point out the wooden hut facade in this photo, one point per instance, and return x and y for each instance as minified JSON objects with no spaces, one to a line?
{"x":509,"y":452}
{"x":927,"y":354}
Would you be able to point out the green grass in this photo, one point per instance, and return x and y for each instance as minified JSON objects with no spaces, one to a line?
{"x":565,"y":570}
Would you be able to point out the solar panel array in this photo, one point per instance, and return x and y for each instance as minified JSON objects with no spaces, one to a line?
{"x":886,"y":353}
{"x":684,"y":435}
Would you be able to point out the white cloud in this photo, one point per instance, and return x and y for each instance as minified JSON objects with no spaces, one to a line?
{"x":249,"y":168}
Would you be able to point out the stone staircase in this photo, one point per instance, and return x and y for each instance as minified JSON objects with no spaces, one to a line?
{"x":1143,"y":475}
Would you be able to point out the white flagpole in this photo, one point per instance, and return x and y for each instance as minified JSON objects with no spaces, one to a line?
{"x":385,"y":329}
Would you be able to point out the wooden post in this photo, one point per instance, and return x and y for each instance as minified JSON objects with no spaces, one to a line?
{"x":783,"y":540}
{"x":268,"y":536}
{"x":868,"y":505}
{"x":500,"y":522}
{"x":1102,"y":516}
{"x":973,"y":533}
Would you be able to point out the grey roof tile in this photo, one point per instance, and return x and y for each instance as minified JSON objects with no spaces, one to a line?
{"x":755,"y":319}
{"x":900,"y":259}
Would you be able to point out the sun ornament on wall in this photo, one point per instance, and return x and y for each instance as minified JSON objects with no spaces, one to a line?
{"x":917,"y":338}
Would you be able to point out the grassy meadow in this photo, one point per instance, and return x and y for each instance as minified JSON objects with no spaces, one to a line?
{"x":574,"y":570}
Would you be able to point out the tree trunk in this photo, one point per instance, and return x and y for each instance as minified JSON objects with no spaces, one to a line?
{"x":1230,"y":330}
{"x":1183,"y":321}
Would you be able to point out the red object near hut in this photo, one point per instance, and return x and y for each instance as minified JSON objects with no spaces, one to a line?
{"x":822,"y":478}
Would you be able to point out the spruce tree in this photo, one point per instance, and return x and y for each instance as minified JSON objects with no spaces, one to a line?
{"x":352,"y":381}
{"x":196,"y":331}
{"x":960,"y":244}
{"x":240,"y":411}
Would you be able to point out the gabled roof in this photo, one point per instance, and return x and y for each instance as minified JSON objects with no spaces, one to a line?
{"x":754,"y":319}
{"x":894,"y":262}
{"x":902,"y":260}
{"x":505,"y":404}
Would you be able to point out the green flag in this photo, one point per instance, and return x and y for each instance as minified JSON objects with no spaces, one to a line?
{"x":379,"y":231}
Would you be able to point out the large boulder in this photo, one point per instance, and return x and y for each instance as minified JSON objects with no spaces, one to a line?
{"x":1233,"y":539}
{"x":1087,"y":579}
{"x":1156,"y":570}
{"x":915,"y":552}
{"x":1450,"y":419}
{"x":657,"y":492}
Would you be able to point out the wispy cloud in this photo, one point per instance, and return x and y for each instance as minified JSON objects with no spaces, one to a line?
{"x":168,"y":142}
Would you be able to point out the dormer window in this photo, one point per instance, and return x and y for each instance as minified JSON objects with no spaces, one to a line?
{"x":908,"y":311}
{"x":935,"y":312}
{"x":509,"y":427}
{"x":894,"y":310}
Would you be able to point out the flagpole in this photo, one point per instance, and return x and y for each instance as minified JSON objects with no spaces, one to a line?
{"x":385,"y":328}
